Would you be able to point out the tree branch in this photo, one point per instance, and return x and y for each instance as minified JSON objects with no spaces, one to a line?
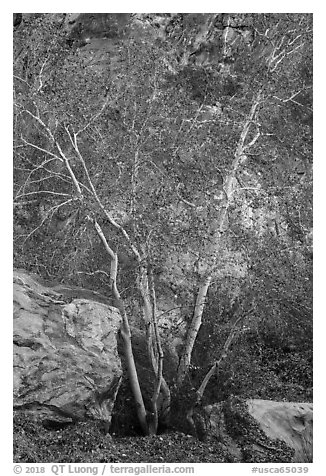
{"x":48,"y":214}
{"x":41,"y":149}
{"x":99,"y":202}
{"x":40,"y":76}
{"x":217,"y":363}
{"x":43,"y":191}
{"x":94,"y":117}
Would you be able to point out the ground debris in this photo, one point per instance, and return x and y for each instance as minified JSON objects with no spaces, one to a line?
{"x":86,"y":443}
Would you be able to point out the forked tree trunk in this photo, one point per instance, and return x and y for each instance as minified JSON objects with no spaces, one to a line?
{"x":133,"y":376}
{"x":161,"y":386}
{"x":126,"y":335}
{"x":154,"y":350}
{"x":125,"y":328}
{"x":148,"y":420}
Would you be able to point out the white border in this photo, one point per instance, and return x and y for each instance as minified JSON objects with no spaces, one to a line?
{"x":319,"y":198}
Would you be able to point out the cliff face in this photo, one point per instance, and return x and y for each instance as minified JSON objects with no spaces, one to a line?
{"x":198,"y":39}
{"x":66,"y":363}
{"x":201,"y":40}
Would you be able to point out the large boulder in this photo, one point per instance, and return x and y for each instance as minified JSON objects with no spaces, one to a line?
{"x":260,"y":430}
{"x":66,"y":362}
{"x":288,"y":421}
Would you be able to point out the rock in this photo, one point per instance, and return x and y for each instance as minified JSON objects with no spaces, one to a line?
{"x":17,"y":19}
{"x":288,"y":421}
{"x":278,"y":423}
{"x":66,"y":362}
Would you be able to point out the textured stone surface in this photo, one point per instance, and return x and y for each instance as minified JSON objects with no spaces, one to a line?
{"x":288,"y":421}
{"x":66,"y":362}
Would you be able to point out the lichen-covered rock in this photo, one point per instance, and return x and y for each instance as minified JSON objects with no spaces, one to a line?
{"x":289,"y":421}
{"x":66,"y":362}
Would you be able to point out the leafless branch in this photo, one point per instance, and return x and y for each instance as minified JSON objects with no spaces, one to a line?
{"x":103,"y":239}
{"x":253,"y":141}
{"x":98,"y":271}
{"x":21,"y":79}
{"x":233,"y":332}
{"x":45,"y":151}
{"x":34,"y":169}
{"x":94,"y":117}
{"x":192,"y":120}
{"x":40,"y":76}
{"x":39,"y":120}
{"x":99,"y":202}
{"x":114,"y":261}
{"x":42,"y":179}
{"x":71,"y":172}
{"x":183,"y":199}
{"x":294,"y":40}
{"x":277,"y":58}
{"x":291,"y":99}
{"x":59,"y":175}
{"x":26,"y":202}
{"x":48,"y":214}
{"x":50,"y":192}
{"x":256,"y":189}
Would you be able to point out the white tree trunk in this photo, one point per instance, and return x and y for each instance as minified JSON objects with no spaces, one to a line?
{"x":193,"y":330}
{"x":216,"y":230}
